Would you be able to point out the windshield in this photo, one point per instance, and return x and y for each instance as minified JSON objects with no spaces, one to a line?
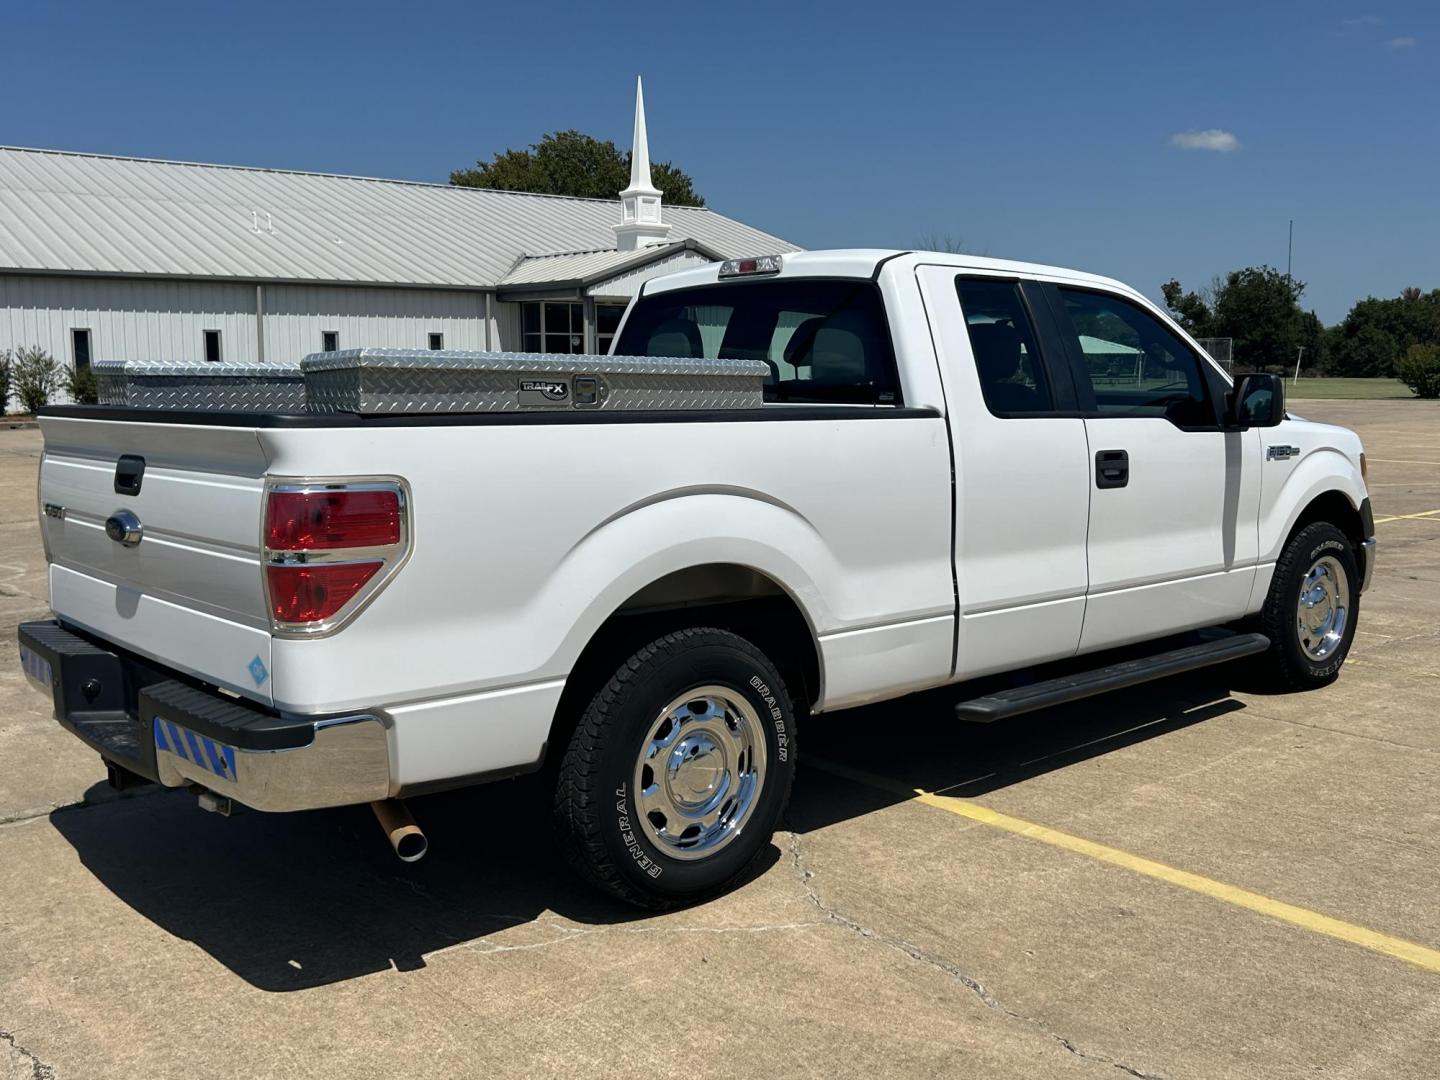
{"x":823,"y":340}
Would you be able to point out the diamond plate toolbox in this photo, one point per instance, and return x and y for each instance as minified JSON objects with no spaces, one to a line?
{"x":376,"y":381}
{"x":278,"y":388}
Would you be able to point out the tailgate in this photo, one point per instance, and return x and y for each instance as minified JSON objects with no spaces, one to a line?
{"x":189,"y":593}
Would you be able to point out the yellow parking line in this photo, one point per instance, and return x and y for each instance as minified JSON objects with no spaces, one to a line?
{"x":1406,"y":517}
{"x":1400,"y":949}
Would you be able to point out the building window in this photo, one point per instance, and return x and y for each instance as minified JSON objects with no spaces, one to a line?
{"x":607,"y":321}
{"x":329,"y":340}
{"x":437,"y":342}
{"x":212,"y":346}
{"x":551,"y":326}
{"x":80,"y":348}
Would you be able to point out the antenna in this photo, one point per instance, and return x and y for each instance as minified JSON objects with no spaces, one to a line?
{"x":1289,"y":247}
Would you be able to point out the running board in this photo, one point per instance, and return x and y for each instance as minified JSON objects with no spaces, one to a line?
{"x":1042,"y":695}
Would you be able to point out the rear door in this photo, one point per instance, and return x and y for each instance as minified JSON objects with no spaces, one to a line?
{"x":187,"y":589}
{"x":1021,"y":471}
{"x":1174,"y":497}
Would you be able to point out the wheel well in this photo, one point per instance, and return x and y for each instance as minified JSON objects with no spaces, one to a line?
{"x":1334,"y":507}
{"x":724,"y":595}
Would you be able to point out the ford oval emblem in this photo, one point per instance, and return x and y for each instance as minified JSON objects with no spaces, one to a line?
{"x":124,"y":528}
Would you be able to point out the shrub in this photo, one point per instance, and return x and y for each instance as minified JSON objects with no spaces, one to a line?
{"x":6,"y":367}
{"x":80,"y":385}
{"x":36,"y":375}
{"x":1419,"y":369}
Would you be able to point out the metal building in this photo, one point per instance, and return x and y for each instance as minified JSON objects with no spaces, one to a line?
{"x":125,"y":258}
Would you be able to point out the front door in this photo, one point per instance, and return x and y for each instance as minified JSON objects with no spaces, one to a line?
{"x":1021,"y":471}
{"x":1173,"y":498}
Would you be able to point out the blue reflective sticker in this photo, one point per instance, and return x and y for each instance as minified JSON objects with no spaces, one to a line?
{"x":36,"y":666}
{"x":257,"y":671}
{"x":212,"y":751}
{"x":176,"y":745}
{"x":196,"y":754}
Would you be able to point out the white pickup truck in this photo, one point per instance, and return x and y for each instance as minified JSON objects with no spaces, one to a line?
{"x":963,"y":467}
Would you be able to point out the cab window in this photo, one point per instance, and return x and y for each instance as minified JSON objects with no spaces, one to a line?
{"x":1135,"y":364}
{"x":1012,"y":378}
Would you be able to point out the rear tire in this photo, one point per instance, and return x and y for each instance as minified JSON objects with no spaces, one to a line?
{"x":1312,"y":609}
{"x":679,"y":770}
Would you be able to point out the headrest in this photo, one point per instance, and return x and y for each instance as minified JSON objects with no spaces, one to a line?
{"x":675,"y":337}
{"x":997,"y":350}
{"x":797,"y":349}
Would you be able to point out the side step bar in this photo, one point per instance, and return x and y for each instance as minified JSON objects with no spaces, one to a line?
{"x":1042,"y":695}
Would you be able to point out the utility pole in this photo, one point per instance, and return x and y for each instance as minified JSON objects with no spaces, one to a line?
{"x":1289,"y":248}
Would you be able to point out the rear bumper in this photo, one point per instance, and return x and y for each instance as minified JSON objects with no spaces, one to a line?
{"x":171,"y":732}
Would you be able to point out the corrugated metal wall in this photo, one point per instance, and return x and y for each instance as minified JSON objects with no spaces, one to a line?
{"x":133,"y":319}
{"x":127,"y":319}
{"x":507,"y":327}
{"x":297,"y":315}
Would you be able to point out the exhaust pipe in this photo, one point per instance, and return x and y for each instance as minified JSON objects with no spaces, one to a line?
{"x":405,"y":836}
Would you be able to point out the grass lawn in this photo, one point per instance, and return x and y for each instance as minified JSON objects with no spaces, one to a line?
{"x":1355,"y":389}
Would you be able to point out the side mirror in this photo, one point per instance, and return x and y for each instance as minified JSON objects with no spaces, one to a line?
{"x":1258,"y":400}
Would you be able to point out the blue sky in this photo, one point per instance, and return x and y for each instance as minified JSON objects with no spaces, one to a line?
{"x":1027,"y":130}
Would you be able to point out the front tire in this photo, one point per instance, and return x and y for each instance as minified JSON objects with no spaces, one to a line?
{"x":679,"y":770}
{"x":1312,"y":609}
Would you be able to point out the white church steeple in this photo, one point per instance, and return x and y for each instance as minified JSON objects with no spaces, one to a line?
{"x":640,"y":219}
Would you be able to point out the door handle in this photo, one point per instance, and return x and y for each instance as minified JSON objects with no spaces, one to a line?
{"x":1112,"y":468}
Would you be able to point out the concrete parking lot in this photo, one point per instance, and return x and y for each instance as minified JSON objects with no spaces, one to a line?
{"x":1188,"y":879}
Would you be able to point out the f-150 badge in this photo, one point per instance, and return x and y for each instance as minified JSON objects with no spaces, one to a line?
{"x":1281,"y":453}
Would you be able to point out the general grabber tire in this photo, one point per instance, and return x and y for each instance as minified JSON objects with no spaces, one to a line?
{"x":678,"y":771}
{"x":1312,"y":609}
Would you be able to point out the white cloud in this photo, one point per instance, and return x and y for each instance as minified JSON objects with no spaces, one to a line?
{"x":1402,"y":42}
{"x":1362,"y":20}
{"x":1210,"y":139}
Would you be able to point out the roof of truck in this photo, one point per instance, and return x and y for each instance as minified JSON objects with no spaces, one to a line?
{"x":863,"y":262}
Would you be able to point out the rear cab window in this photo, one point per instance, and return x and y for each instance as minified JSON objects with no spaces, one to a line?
{"x":824,"y":340}
{"x":1002,"y":338}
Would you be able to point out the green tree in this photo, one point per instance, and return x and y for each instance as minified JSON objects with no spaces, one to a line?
{"x":80,"y":384}
{"x":1191,"y":309}
{"x":7,"y":368}
{"x":1258,"y":307}
{"x":573,"y":163}
{"x":1377,"y":332}
{"x":36,"y":375}
{"x":1419,"y":369}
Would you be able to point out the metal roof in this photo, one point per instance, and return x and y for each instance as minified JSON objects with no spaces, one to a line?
{"x":88,"y":213}
{"x":589,"y":267}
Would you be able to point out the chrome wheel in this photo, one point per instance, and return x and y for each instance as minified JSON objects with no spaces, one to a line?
{"x":700,"y":772}
{"x":1323,"y":610}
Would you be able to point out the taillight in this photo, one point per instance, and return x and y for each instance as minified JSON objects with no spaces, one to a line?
{"x":328,"y":546}
{"x":311,"y":594}
{"x":328,"y":519}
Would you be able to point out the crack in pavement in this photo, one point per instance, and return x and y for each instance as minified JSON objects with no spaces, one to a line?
{"x":570,"y":934}
{"x":23,"y":816}
{"x":38,"y":1069}
{"x":914,"y":952}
